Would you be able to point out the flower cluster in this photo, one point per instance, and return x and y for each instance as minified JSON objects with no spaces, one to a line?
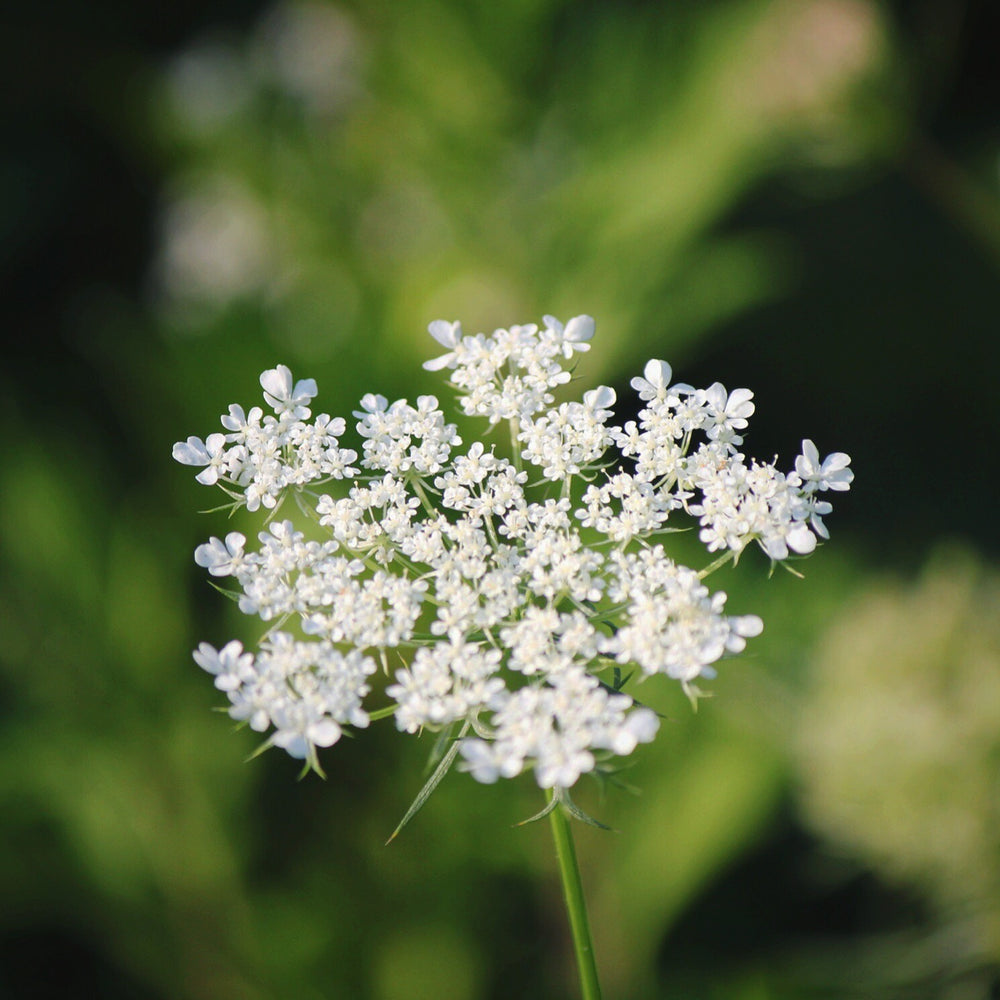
{"x":508,"y":595}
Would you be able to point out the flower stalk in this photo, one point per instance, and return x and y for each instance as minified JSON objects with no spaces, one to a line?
{"x":576,"y":906}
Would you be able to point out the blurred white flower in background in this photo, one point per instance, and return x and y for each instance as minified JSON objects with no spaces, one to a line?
{"x":208,"y":85}
{"x":216,"y":244}
{"x":311,"y":51}
{"x":253,"y":112}
{"x":899,"y":743}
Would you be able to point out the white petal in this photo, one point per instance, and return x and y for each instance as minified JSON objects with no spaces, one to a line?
{"x":835,"y":462}
{"x":446,"y":334}
{"x":191,"y":452}
{"x":208,"y":477}
{"x":739,"y":404}
{"x":294,"y":744}
{"x":277,"y":382}
{"x":324,"y":733}
{"x":600,"y":398}
{"x":658,"y":373}
{"x":235,"y":542}
{"x":747,"y":625}
{"x":207,"y":657}
{"x":304,"y":389}
{"x":579,"y":329}
{"x":644,"y":724}
{"x":800,"y":539}
{"x":436,"y":364}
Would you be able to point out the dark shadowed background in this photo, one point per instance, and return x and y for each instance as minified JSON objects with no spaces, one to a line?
{"x":797,"y":196}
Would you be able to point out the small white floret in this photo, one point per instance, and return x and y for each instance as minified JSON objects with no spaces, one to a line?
{"x":655,"y":380}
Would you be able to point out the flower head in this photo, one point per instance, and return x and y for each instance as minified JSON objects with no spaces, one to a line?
{"x":514,"y":587}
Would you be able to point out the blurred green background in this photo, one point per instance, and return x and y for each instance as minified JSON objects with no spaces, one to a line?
{"x":798,"y":196}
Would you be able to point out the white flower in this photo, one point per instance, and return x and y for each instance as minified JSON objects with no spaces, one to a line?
{"x":555,"y":728}
{"x":448,"y":335}
{"x":230,"y":665}
{"x":575,"y":336}
{"x":240,"y":423}
{"x":445,"y":683}
{"x":599,"y":401}
{"x":307,"y":690}
{"x":485,"y":764}
{"x":640,"y":726}
{"x":726,"y":413}
{"x":191,"y":452}
{"x":653,"y":385}
{"x":286,"y":397}
{"x":832,"y":474}
{"x":221,"y":558}
{"x":571,"y":438}
{"x":210,"y":452}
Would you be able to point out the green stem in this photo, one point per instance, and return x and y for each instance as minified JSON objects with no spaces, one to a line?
{"x":569,"y":872}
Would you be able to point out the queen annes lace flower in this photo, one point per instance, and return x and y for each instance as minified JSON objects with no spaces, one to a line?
{"x":510,"y":589}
